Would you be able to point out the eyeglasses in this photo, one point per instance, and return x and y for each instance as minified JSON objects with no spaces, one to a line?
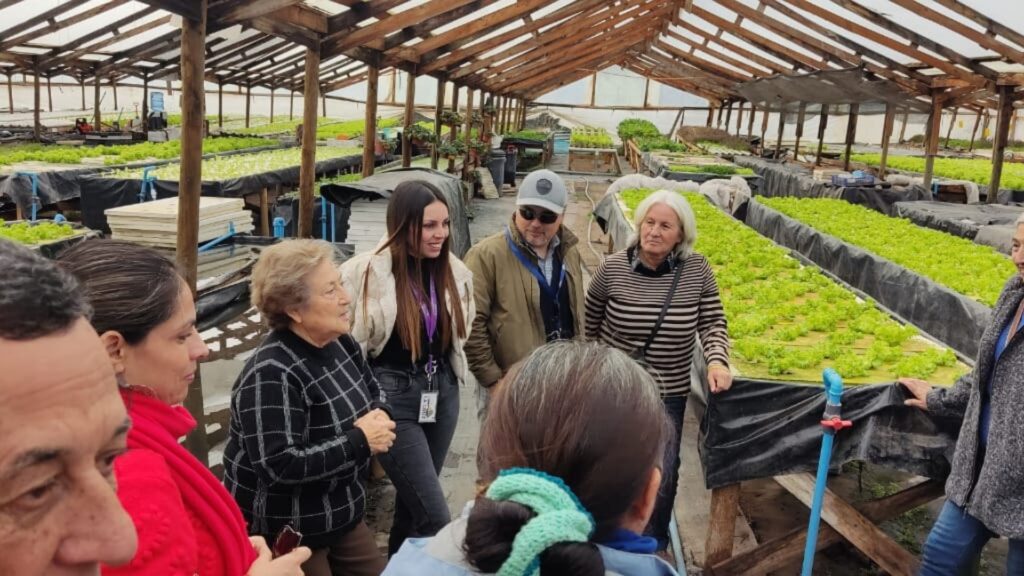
{"x":545,"y":216}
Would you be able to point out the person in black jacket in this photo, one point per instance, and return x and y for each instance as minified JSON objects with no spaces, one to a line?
{"x":306,"y":415}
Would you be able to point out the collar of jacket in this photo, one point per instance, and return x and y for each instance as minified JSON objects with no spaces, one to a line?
{"x":566,"y":239}
{"x":380,"y":263}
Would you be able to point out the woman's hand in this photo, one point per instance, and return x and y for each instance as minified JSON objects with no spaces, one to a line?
{"x":919,"y":389}
{"x":266,"y":565}
{"x":379,"y":430}
{"x":719,"y":378}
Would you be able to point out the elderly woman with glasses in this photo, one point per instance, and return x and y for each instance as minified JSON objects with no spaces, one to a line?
{"x":652,"y":300}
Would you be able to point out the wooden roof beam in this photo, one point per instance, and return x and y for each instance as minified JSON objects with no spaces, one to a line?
{"x":236,"y":12}
{"x":742,"y":65}
{"x":120,"y":36}
{"x":338,"y":26}
{"x":185,"y":8}
{"x":731,"y":47}
{"x":583,"y":27}
{"x":144,"y":51}
{"x":655,"y":72}
{"x":758,"y":41}
{"x":56,"y":25}
{"x":434,"y":61}
{"x":566,"y":79}
{"x":688,"y":73}
{"x":338,"y":44}
{"x":980,"y":38}
{"x":423,"y":29}
{"x":986,"y":22}
{"x":913,"y":37}
{"x":701,"y":63}
{"x":291,"y":32}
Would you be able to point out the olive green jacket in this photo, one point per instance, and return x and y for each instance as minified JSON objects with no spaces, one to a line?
{"x":508,"y":325}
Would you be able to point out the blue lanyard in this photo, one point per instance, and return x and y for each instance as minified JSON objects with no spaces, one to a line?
{"x":536,"y":271}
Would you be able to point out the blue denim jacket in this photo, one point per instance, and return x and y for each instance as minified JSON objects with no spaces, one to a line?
{"x":442,"y":556}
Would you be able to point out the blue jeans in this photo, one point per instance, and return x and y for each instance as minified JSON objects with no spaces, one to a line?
{"x":955,"y":543}
{"x":657,"y":527}
{"x":415,"y":460}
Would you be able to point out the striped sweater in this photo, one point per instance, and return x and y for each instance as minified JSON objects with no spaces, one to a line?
{"x":623,"y":304}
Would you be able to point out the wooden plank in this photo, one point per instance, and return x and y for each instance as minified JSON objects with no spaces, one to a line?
{"x":421,"y":29}
{"x":999,"y":141}
{"x":188,"y":9}
{"x":987,"y":23}
{"x":796,"y":59}
{"x":52,"y":24}
{"x":976,"y":36}
{"x":307,"y":170}
{"x":370,"y":132}
{"x":303,"y":16}
{"x":333,"y":46}
{"x":233,"y":12}
{"x":725,"y":504}
{"x":931,"y":144}
{"x":851,"y":134}
{"x":780,"y":552}
{"x":190,"y":180}
{"x":719,"y":55}
{"x":887,"y":124}
{"x":264,"y":212}
{"x":853,"y":526}
{"x":488,"y":22}
{"x":710,"y":38}
{"x":410,"y":103}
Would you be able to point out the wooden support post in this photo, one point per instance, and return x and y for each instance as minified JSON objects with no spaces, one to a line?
{"x":307,"y":170}
{"x":1000,"y":140}
{"x":764,"y":127}
{"x":466,"y":167}
{"x":264,"y":212}
{"x":851,"y":133}
{"x":711,"y":114}
{"x":739,"y":119}
{"x":801,"y":116}
{"x":750,"y":122}
{"x":931,"y":140}
{"x":248,"y":102}
{"x":49,"y":93}
{"x":822,"y":126}
{"x":647,"y":91}
{"x":96,"y":118}
{"x":903,"y":126}
{"x":37,"y":128}
{"x":10,"y":95}
{"x":291,"y":105}
{"x":394,"y":91}
{"x":952,"y":122}
{"x":725,"y":504}
{"x":323,"y":104}
{"x":370,"y":132}
{"x":782,"y":128}
{"x":593,"y":90}
{"x":81,"y":83}
{"x":145,"y":102}
{"x":675,"y":124}
{"x":410,"y":113}
{"x":220,"y":105}
{"x":452,"y":136}
{"x":718,"y":122}
{"x":113,"y":88}
{"x":974,"y":133}
{"x":190,"y":180}
{"x":271,"y":104}
{"x":728,"y":115}
{"x":887,"y":124}
{"x":438,"y":108}
{"x":853,"y":526}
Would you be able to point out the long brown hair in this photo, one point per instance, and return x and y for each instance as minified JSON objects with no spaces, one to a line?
{"x":405,"y":232}
{"x":583,"y":412}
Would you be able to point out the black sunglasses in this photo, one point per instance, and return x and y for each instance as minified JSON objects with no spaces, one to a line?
{"x":545,"y":216}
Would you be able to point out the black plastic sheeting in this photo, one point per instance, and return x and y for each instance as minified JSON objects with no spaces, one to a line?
{"x":948,"y":316}
{"x":287,"y":207}
{"x":100,"y":192}
{"x":791,"y":180}
{"x":760,"y":429}
{"x":382,"y":184}
{"x":661,"y":169}
{"x":964,"y":220}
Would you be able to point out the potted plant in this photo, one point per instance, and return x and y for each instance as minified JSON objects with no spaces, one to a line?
{"x":476,"y":119}
{"x":451,"y":117}
{"x":419,"y":134}
{"x":452,"y":149}
{"x":478,"y":149}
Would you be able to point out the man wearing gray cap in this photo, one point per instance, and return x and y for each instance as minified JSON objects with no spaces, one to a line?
{"x":527,"y":281}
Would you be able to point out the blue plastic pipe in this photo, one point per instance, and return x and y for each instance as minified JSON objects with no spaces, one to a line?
{"x":219,"y":239}
{"x":278,"y":227}
{"x":323,"y":218}
{"x":334,"y":225}
{"x":34,"y":178}
{"x":148,"y":187}
{"x":830,"y":423}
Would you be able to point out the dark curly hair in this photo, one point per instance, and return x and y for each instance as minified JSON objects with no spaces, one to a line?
{"x":37,"y":298}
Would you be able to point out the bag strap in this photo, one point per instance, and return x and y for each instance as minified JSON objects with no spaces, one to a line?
{"x":664,"y":307}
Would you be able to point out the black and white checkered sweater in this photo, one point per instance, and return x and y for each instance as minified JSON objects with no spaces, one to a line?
{"x":293,"y":454}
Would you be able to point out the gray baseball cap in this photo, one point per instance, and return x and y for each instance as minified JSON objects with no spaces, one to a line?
{"x":544,"y":189}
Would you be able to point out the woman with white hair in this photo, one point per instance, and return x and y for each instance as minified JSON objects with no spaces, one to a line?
{"x":651,"y":300}
{"x":985,"y":488}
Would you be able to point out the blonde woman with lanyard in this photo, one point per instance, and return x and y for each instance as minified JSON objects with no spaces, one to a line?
{"x":413,"y":304}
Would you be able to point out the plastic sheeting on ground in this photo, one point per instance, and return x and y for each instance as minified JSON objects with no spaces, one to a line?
{"x":382,"y":184}
{"x":661,"y":170}
{"x":792,"y":180}
{"x":964,"y":220}
{"x":100,"y":192}
{"x":948,"y":316}
{"x":760,"y":429}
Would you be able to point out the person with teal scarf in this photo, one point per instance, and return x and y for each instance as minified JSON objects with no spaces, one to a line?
{"x":570,"y":455}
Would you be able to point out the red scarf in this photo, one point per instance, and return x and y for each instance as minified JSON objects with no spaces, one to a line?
{"x":156,"y":427}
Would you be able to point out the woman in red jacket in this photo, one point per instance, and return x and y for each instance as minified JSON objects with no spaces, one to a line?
{"x":187,"y":522}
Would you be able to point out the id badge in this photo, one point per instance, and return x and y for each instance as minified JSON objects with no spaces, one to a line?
{"x":428,"y":407}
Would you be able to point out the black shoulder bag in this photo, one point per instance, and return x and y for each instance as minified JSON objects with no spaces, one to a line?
{"x":640,"y":354}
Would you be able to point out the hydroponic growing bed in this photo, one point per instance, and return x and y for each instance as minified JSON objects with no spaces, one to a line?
{"x":973,"y":170}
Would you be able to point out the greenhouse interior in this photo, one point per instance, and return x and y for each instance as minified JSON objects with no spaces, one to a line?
{"x":854,"y":170}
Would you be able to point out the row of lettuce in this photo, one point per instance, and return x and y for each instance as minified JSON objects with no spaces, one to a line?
{"x":790,"y":321}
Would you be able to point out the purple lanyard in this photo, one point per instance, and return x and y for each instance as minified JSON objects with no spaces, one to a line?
{"x":430,"y":316}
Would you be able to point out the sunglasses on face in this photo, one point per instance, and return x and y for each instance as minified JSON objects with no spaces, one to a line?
{"x":545,"y":216}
